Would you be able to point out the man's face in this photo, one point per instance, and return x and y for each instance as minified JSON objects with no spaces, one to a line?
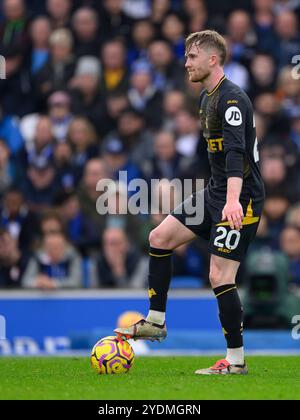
{"x":198,"y":63}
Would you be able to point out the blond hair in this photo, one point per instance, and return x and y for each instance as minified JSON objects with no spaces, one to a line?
{"x":208,"y":39}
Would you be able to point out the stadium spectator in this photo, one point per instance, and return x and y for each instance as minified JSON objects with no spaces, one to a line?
{"x":275,"y":208}
{"x":288,"y":38}
{"x":13,"y":262}
{"x":235,"y":71}
{"x":187,"y":132}
{"x":143,"y":94}
{"x":168,"y":73}
{"x":14,"y":29}
{"x":173,"y":102}
{"x":19,"y":221}
{"x":173,"y":31}
{"x":65,"y":171}
{"x":10,"y":132}
{"x":137,"y":9}
{"x":290,"y":245}
{"x":82,"y":138}
{"x":50,"y":222}
{"x":166,"y":161}
{"x":7,"y":168}
{"x":40,"y":30}
{"x":113,"y":21}
{"x":119,"y":265}
{"x":160,"y":9}
{"x":196,"y":15}
{"x":56,"y":265}
{"x":59,"y":103}
{"x":17,"y":92}
{"x":131,"y":130}
{"x":94,"y":171}
{"x":41,"y":150}
{"x":85,"y":23}
{"x":39,"y":186}
{"x":143,"y":32}
{"x":189,"y":261}
{"x":87,"y":99}
{"x":80,"y":230}
{"x":116,"y":103}
{"x":242,"y":37}
{"x":117,"y":159}
{"x":263,"y":74}
{"x":115,"y":76}
{"x":59,"y":68}
{"x":59,"y":12}
{"x":264,"y":25}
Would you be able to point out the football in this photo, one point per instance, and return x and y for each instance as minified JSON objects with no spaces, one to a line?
{"x":110,"y":355}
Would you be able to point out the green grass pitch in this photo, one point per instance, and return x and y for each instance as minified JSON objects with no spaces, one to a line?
{"x":150,"y":378}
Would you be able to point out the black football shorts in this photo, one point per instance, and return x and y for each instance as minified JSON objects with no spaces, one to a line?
{"x":222,"y":240}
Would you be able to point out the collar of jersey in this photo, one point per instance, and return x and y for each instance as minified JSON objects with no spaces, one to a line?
{"x":216,"y":87}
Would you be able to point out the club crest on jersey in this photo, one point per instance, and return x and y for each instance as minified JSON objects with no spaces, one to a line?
{"x":233,"y":116}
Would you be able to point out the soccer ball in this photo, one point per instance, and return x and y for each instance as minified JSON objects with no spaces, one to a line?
{"x":112,"y":355}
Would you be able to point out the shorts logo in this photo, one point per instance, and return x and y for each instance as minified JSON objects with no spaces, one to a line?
{"x":233,"y":116}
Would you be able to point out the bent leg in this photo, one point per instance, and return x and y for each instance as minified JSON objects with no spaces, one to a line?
{"x":170,"y":234}
{"x":167,"y":236}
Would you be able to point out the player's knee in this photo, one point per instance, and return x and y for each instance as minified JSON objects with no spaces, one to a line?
{"x":216,"y":276}
{"x":158,"y":239}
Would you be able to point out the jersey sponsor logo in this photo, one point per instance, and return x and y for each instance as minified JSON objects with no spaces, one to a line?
{"x":232,"y":101}
{"x":215,"y":145}
{"x":233,"y":116}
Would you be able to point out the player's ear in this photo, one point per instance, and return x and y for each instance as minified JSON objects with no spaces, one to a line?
{"x":213,"y":59}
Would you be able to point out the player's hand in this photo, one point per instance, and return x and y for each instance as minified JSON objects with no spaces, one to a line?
{"x":233,"y":212}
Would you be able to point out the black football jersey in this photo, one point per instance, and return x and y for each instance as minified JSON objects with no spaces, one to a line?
{"x":227,"y":124}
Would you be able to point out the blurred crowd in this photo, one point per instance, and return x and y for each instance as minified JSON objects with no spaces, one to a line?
{"x":97,"y":87}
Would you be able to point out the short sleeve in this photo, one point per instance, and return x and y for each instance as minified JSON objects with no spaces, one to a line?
{"x":232,"y":109}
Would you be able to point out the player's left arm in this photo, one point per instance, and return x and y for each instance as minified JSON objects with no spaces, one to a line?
{"x":233,"y":110}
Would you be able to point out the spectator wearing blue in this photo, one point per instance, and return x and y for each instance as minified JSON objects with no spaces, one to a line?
{"x":264,"y":25}
{"x":290,"y":245}
{"x":288,"y":38}
{"x":168,"y":73}
{"x":18,"y":219}
{"x":242,"y":37}
{"x":59,"y":111}
{"x":189,"y":262}
{"x":10,"y":132}
{"x":173,"y":30}
{"x":7,"y":168}
{"x":56,"y":265}
{"x":40,"y":31}
{"x":39,"y":186}
{"x":81,"y":231}
{"x":143,"y":95}
{"x":12,"y":261}
{"x":143,"y":32}
{"x":40,"y":152}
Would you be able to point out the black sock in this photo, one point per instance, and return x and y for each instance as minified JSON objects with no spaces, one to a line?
{"x":230,"y":314}
{"x":160,"y":271}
